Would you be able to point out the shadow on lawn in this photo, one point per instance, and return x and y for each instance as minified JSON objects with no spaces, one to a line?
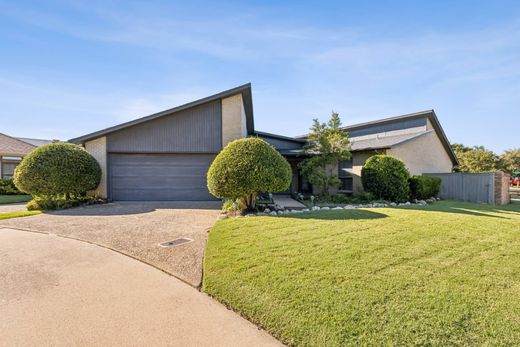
{"x":472,"y":209}
{"x":354,"y":214}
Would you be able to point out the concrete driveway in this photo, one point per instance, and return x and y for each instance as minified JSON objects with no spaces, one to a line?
{"x":136,"y":229}
{"x":16,"y":207}
{"x":56,"y":291}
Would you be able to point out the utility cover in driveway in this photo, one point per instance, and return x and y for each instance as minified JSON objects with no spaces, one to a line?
{"x":159,"y":177}
{"x":176,"y":242}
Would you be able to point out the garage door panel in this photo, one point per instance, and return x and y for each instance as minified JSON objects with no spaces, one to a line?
{"x":154,"y":182}
{"x":161,"y":194}
{"x":159,"y":176}
{"x":159,"y":171}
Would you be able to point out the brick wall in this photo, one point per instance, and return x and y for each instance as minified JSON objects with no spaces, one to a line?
{"x":233,"y":119}
{"x":502,"y":181}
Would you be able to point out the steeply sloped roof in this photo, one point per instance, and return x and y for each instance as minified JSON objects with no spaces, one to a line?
{"x":245,"y":90}
{"x":385,"y":141}
{"x":11,"y":146}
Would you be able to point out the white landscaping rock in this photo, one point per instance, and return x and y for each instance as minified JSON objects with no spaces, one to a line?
{"x":273,"y":213}
{"x":267,"y":210}
{"x":393,"y":204}
{"x":337,"y":208}
{"x":305,"y":210}
{"x":325,"y":208}
{"x":316,"y":208}
{"x":348,"y":207}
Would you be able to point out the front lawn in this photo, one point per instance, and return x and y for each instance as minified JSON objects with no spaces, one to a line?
{"x":442,"y":274}
{"x":9,"y":215}
{"x":11,"y":199}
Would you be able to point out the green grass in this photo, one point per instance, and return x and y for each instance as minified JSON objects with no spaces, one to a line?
{"x":438,"y":275}
{"x":9,"y":215}
{"x":11,"y":199}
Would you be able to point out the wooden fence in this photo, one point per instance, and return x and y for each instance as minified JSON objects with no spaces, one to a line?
{"x":490,"y":188}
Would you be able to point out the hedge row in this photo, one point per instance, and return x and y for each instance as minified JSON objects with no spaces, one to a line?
{"x":424,"y":187}
{"x":7,"y":187}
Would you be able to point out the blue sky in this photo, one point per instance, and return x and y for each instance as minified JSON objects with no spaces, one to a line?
{"x":72,"y":67}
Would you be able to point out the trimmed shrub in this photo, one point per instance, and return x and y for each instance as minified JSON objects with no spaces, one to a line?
{"x":386,"y":178}
{"x":7,"y":187}
{"x":247,"y":167}
{"x":233,"y":207}
{"x":424,"y":187}
{"x":57,"y":169}
{"x":60,"y":203}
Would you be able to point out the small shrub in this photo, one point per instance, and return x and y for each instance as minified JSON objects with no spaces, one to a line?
{"x":61,"y":203}
{"x":7,"y":187}
{"x":247,"y":167}
{"x":233,"y":207}
{"x":424,"y":187}
{"x":57,"y":169}
{"x":386,"y":177}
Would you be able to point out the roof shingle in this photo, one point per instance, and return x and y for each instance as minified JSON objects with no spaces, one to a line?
{"x":10,"y":146}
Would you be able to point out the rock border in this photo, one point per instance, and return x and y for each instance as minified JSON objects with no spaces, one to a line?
{"x":281,"y":212}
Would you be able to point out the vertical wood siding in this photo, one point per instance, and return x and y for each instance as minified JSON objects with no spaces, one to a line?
{"x":195,"y":130}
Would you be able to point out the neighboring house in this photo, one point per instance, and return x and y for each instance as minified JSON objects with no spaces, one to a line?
{"x":165,"y":156}
{"x":12,"y":151}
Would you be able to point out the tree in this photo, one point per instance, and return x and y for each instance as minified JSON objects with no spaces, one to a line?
{"x":386,"y":177}
{"x":510,"y":160}
{"x":327,"y":145}
{"x":475,"y":159}
{"x":247,"y":167}
{"x":57,"y":169}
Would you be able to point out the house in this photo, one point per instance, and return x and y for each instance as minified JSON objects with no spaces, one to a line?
{"x":12,"y":151}
{"x":165,"y":156}
{"x":416,"y":138}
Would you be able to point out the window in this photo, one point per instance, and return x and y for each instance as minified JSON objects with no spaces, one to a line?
{"x":7,"y":165}
{"x":345,"y":175}
{"x":8,"y":170}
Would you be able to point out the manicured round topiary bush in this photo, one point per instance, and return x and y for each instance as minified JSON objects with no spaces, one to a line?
{"x":247,"y":167}
{"x":386,"y":178}
{"x":57,"y":169}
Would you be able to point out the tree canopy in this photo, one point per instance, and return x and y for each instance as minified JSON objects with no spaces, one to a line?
{"x":476,"y":159}
{"x":510,"y":160}
{"x":327,"y":145}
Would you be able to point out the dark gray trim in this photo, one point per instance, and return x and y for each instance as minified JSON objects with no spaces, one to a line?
{"x":148,"y":152}
{"x":245,"y":90}
{"x":281,"y":137}
{"x":389,"y":120}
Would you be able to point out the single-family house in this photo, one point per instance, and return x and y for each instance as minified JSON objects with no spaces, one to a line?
{"x":12,"y":151}
{"x":165,"y":156}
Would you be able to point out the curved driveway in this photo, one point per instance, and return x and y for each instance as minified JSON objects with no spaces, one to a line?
{"x":136,"y":229}
{"x":62,"y":292}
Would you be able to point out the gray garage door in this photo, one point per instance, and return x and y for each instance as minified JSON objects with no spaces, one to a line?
{"x":159,"y":176}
